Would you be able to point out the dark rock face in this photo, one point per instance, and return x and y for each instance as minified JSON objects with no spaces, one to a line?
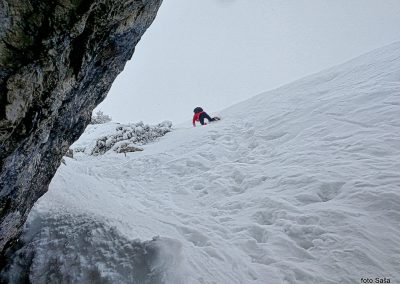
{"x":58,"y":60}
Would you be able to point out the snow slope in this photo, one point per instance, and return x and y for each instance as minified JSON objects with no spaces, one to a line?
{"x":297,"y":185}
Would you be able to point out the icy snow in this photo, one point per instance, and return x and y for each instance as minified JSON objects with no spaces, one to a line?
{"x":297,"y":185}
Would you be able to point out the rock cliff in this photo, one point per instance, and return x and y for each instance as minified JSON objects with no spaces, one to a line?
{"x":58,"y":60}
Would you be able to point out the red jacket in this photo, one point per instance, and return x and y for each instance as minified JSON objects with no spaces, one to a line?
{"x":196,"y":116}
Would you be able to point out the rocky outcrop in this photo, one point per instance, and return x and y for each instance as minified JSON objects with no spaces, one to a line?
{"x":58,"y":60}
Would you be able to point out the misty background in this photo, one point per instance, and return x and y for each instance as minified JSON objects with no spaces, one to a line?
{"x":215,"y":53}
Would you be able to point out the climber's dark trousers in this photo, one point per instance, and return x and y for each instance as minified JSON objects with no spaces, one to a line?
{"x":204,"y":115}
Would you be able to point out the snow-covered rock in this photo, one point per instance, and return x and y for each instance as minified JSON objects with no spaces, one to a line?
{"x":297,"y":185}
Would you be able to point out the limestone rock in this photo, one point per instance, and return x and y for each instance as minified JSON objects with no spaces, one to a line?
{"x":58,"y":60}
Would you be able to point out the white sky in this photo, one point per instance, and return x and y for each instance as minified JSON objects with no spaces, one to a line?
{"x":215,"y":53}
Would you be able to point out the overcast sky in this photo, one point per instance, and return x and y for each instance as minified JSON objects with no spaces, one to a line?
{"x":215,"y":53}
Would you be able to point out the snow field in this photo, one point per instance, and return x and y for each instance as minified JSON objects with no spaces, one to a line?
{"x":297,"y":185}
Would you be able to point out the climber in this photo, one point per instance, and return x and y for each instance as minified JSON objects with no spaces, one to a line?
{"x":200,"y":115}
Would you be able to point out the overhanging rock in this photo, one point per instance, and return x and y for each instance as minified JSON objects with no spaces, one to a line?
{"x":58,"y":60}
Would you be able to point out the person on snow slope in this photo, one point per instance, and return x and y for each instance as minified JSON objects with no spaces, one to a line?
{"x":200,"y":115}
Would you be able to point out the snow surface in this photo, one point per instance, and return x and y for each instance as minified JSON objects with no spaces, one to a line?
{"x":297,"y":185}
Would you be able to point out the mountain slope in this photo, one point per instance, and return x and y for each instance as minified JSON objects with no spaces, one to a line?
{"x":296,"y":185}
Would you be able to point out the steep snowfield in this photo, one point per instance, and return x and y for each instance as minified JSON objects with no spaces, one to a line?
{"x":297,"y":185}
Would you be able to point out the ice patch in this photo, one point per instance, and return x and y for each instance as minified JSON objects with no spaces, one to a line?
{"x":67,"y":248}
